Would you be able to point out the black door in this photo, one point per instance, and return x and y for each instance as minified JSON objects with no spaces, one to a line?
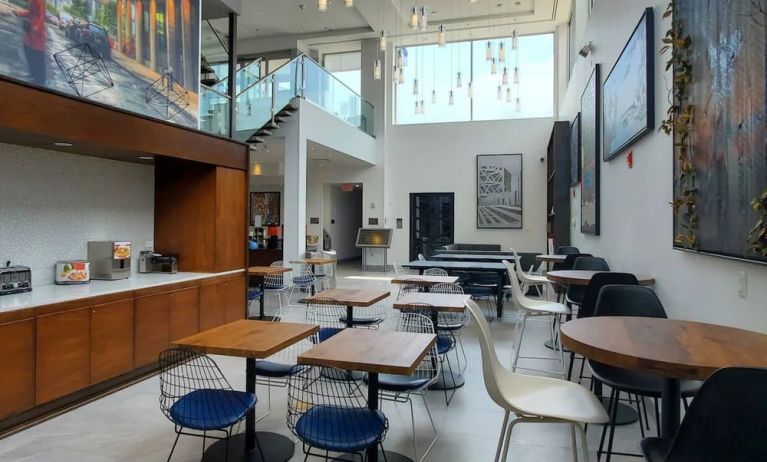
{"x":432,"y":222}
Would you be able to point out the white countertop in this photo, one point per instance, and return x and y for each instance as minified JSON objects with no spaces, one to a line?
{"x":51,"y":293}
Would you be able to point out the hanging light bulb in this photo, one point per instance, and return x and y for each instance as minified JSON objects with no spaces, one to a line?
{"x":414,"y":18}
{"x":441,"y":41}
{"x":382,"y":41}
{"x":489,"y":51}
{"x":401,"y":77}
{"x":514,"y":40}
{"x":459,"y":80}
{"x":415,"y":87}
{"x":505,"y":77}
{"x":519,"y":105}
{"x":434,"y":97}
{"x":501,"y":53}
{"x":471,"y":90}
{"x":516,"y":76}
{"x":423,"y":21}
{"x":395,"y":74}
{"x":322,"y":5}
{"x":493,"y":67}
{"x":417,"y":108}
{"x":377,"y":69}
{"x":400,"y":59}
{"x":451,"y":100}
{"x":349,"y":3}
{"x":500,"y":93}
{"x":423,"y":108}
{"x":508,"y":95}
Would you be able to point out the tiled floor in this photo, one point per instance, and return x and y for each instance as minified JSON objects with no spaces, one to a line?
{"x":128,"y":425}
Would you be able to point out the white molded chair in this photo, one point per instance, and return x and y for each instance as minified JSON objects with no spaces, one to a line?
{"x":530,"y":279}
{"x":531,"y":308}
{"x":534,"y":399}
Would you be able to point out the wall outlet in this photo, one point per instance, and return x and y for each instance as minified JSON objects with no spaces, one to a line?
{"x":742,"y":284}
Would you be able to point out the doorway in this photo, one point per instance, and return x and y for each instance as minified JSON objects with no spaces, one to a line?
{"x":432,"y":222}
{"x":342,"y":214}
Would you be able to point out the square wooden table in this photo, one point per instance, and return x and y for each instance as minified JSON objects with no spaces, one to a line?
{"x":351,"y":298}
{"x":375,"y":352}
{"x":425,"y":281}
{"x":262,"y":272}
{"x":251,"y":340}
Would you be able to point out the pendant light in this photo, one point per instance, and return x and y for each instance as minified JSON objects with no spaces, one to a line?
{"x":459,"y":80}
{"x":500,"y":93}
{"x":505,"y":77}
{"x":382,"y":41}
{"x":401,"y":77}
{"x":501,"y":53}
{"x":508,"y":95}
{"x":493,"y":67}
{"x":415,"y":87}
{"x":417,"y":109}
{"x":322,"y":5}
{"x":441,"y":40}
{"x":434,"y":97}
{"x":519,"y":105}
{"x":451,"y":100}
{"x":414,"y":18}
{"x":471,"y":90}
{"x":349,"y":3}
{"x":394,"y":74}
{"x":423,"y":22}
{"x":516,"y":76}
{"x":489,"y":51}
{"x":514,"y":40}
{"x":400,"y":58}
{"x":423,"y":108}
{"x":377,"y":69}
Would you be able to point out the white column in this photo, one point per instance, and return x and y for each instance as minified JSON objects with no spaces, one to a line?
{"x":294,"y":237}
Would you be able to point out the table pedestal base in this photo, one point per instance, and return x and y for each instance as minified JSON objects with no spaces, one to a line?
{"x":276,"y":448}
{"x":390,"y":457}
{"x":448,"y":381}
{"x":550,"y":345}
{"x":624,"y":415}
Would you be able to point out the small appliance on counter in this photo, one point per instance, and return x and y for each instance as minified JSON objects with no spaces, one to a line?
{"x":15,"y":279}
{"x":73,"y":272}
{"x":151,"y":262}
{"x":109,"y":260}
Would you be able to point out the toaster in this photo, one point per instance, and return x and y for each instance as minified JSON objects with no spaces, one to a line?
{"x":73,"y":272}
{"x":150,"y":262}
{"x":15,"y":279}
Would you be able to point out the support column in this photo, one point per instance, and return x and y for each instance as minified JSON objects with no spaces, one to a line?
{"x":294,"y":235}
{"x":232,"y":88}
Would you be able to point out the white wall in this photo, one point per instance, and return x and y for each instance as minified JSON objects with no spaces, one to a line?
{"x":442,"y":158}
{"x":53,"y":203}
{"x":636,"y":218}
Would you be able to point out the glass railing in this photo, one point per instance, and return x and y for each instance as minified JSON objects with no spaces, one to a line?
{"x":246,"y":76}
{"x":301,"y":77}
{"x":214,"y":111}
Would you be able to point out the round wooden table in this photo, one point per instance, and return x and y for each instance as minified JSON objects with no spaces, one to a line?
{"x":582,"y":277}
{"x":551,"y":258}
{"x":676,"y":350}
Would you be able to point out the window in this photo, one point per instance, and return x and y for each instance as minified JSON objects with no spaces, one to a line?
{"x":346,"y":67}
{"x":526,"y":92}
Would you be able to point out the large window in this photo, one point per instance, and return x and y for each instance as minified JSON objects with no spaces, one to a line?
{"x":346,"y":67}
{"x":478,"y":86}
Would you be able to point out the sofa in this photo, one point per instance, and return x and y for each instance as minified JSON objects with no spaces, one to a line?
{"x":481,"y":247}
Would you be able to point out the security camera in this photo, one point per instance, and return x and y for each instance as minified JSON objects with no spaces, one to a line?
{"x":586,"y":50}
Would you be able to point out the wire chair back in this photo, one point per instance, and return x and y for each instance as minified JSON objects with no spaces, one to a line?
{"x":278,"y":280}
{"x":302,"y":273}
{"x":450,"y":318}
{"x":328,"y":313}
{"x":435,"y":272}
{"x":416,"y":323}
{"x":410,"y":287}
{"x":423,"y":309}
{"x":297,"y":314}
{"x":325,"y":413}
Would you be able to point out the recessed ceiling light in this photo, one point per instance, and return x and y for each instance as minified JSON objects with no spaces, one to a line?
{"x":62,"y":144}
{"x":146,"y":158}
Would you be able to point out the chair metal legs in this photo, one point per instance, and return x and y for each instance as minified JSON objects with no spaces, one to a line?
{"x":173,"y":448}
{"x":519,"y":333}
{"x":507,"y":427}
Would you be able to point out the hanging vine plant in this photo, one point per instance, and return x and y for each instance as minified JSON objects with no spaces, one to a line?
{"x":678,"y":123}
{"x":757,"y":238}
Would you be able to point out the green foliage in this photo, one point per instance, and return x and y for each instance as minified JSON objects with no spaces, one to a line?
{"x":757,"y":238}
{"x":678,"y":123}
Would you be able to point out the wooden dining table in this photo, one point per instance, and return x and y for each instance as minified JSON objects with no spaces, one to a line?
{"x":675,"y":350}
{"x":424,"y":281}
{"x":583,"y":277}
{"x":251,"y":340}
{"x":551,"y":258}
{"x":375,"y":352}
{"x":351,"y":298}
{"x":261,"y":272}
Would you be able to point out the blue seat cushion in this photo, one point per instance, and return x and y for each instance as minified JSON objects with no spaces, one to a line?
{"x":444,"y":344}
{"x":275,"y":286}
{"x":392,"y":382}
{"x":361,"y":321}
{"x":341,"y":429}
{"x":253,"y":294}
{"x":325,"y":333}
{"x":303,"y":280}
{"x":209,"y":409}
{"x":272,"y":369}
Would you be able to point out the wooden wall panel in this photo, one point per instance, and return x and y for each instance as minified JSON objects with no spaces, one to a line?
{"x":211,"y":312}
{"x":62,"y":360}
{"x":17,"y":350}
{"x":152,"y":324}
{"x":184,"y":313}
{"x":231,"y":218}
{"x":234,"y":298}
{"x":111,"y":340}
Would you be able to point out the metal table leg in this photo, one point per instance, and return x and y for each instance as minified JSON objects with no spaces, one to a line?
{"x":671,"y":395}
{"x":499,"y":296}
{"x":262,"y":287}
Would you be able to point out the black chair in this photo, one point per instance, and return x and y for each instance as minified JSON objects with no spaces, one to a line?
{"x":564,"y":266}
{"x":630,"y":300}
{"x":195,"y":396}
{"x":567,"y":250}
{"x":598,"y":281}
{"x":576,"y":294}
{"x":727,"y":421}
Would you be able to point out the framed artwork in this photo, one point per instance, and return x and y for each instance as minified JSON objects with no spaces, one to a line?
{"x":575,"y":151}
{"x":629,"y":91}
{"x":729,"y":94}
{"x":264,"y":208}
{"x":590,"y":155}
{"x":499,"y":191}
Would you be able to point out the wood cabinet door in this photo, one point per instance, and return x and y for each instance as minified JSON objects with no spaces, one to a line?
{"x":111,"y":340}
{"x":17,"y":382}
{"x":152,"y":328}
{"x":233,"y":297}
{"x":184,"y":313}
{"x":62,"y":360}
{"x":231,"y":218}
{"x":211,"y":312}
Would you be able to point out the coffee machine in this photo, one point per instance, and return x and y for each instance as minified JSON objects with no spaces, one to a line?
{"x":110,"y":260}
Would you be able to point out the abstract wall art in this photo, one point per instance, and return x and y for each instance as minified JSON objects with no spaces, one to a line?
{"x":590,"y":155}
{"x":499,"y":191}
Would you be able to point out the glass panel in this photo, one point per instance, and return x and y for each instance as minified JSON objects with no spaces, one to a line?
{"x":346,"y":67}
{"x":214,"y":112}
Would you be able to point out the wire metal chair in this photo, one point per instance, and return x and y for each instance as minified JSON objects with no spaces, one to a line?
{"x":326,"y":417}
{"x":328,"y":314}
{"x":195,"y":396}
{"x":409,"y":287}
{"x":435,"y":272}
{"x":325,"y":275}
{"x":399,"y":389}
{"x":371,"y":317}
{"x":303,"y":278}
{"x":280,"y":284}
{"x":275,"y":370}
{"x":453,"y":323}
